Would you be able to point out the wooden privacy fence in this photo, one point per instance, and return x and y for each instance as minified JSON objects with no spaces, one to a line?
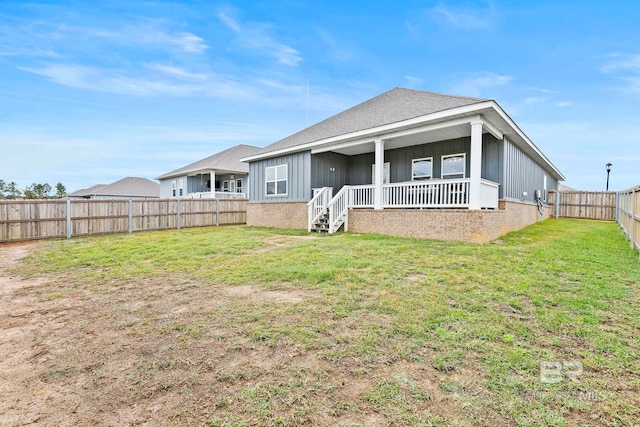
{"x":628,"y":214}
{"x":584,"y":204}
{"x":44,"y":219}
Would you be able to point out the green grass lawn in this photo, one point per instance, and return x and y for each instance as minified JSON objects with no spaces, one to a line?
{"x":371,"y":330}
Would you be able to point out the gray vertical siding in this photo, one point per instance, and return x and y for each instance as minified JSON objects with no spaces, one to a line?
{"x":299,"y":178}
{"x":401,"y":160}
{"x":521,"y":174}
{"x":502,"y":162}
{"x":329,"y":170}
{"x":360,"y":169}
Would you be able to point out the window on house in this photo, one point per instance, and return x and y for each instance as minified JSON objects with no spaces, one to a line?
{"x":173,"y":188}
{"x":453,"y":166}
{"x":422,"y":169}
{"x":238,"y":185}
{"x":225,"y":185}
{"x":180,"y":185}
{"x":276,"y":180}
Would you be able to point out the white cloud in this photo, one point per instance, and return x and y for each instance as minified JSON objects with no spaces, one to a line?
{"x":564,"y":104}
{"x":255,"y":37}
{"x":534,"y":100}
{"x":412,"y":80}
{"x":338,"y":49}
{"x":46,"y":39}
{"x":626,"y":67}
{"x":178,"y":72}
{"x":465,"y":18}
{"x":170,"y":81}
{"x":476,"y":85}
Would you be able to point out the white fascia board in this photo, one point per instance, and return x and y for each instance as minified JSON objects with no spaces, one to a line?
{"x":367,"y":133}
{"x":492,"y":129}
{"x":526,"y":139}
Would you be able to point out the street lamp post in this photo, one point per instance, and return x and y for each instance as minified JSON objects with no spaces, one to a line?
{"x":608,"y":165}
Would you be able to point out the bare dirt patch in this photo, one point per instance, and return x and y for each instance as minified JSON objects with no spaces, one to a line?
{"x":247,"y":291}
{"x":281,"y":241}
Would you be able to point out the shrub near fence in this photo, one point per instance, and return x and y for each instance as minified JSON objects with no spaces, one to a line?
{"x":628,"y":214}
{"x":44,"y":219}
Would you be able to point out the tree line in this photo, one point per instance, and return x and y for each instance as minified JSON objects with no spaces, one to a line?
{"x":10,"y":190}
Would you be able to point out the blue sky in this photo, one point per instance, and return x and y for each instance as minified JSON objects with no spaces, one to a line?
{"x":91,"y":92}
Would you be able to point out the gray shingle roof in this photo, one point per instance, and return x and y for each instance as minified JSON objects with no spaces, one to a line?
{"x":126,"y":187}
{"x":227,"y":160}
{"x":87,"y":191}
{"x":390,"y":107}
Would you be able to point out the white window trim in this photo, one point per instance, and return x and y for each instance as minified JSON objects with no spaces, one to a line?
{"x":239,"y":185}
{"x":464,"y":165}
{"x":286,"y":179}
{"x":421,"y":177}
{"x":225,"y":185}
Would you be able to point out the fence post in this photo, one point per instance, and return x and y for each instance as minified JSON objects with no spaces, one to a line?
{"x":68,"y":218}
{"x":178,"y":213}
{"x":633,"y":218}
{"x":130,"y":216}
{"x":217,"y":212}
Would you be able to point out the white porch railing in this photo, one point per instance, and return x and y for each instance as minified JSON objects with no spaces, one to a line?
{"x":444,"y":193}
{"x":360,"y":196}
{"x":489,"y":194}
{"x":338,"y":209}
{"x":441,"y":193}
{"x":318,"y":205}
{"x":216,"y":195}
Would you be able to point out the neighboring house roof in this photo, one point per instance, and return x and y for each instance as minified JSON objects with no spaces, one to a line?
{"x":562,"y":187}
{"x":126,"y":187}
{"x":400,"y":109}
{"x":87,"y":191}
{"x":224,"y":161}
{"x":393,"y":106}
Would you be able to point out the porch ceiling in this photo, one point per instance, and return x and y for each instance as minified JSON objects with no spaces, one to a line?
{"x":417,"y":138}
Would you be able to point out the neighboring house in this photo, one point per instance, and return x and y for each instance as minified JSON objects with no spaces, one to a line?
{"x":562,"y":187}
{"x":126,"y":188}
{"x":406,"y":163}
{"x":225,"y":170}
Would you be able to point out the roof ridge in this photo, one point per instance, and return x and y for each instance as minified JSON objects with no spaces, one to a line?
{"x":473,"y":98}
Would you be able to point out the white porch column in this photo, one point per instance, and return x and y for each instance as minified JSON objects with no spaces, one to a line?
{"x":378,"y":177}
{"x":476,"y":164}
{"x":213,"y":183}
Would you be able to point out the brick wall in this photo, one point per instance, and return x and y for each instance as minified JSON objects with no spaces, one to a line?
{"x":459,"y":225}
{"x":521,"y":214}
{"x":279,"y":215}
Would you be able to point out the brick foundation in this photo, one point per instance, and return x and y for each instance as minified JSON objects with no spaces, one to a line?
{"x":278,"y":215}
{"x":459,"y":225}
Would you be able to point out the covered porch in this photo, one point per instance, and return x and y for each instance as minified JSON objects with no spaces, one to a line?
{"x":226,"y":185}
{"x":454,"y":173}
